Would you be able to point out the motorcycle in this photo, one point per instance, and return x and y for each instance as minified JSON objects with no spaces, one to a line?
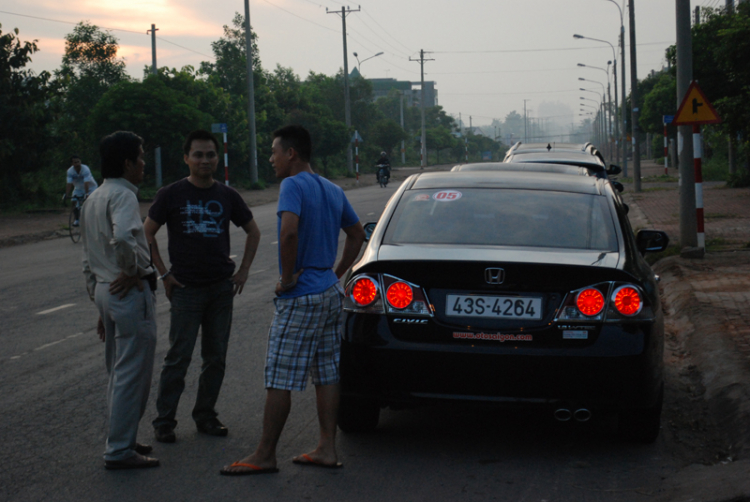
{"x":383,"y":175}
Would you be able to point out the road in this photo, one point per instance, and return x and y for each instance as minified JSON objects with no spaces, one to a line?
{"x":53,"y":411}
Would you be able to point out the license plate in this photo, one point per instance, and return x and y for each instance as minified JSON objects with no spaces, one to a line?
{"x":497,"y":307}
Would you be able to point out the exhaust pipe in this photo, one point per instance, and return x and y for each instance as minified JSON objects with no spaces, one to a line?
{"x":563,"y":415}
{"x":582,"y":415}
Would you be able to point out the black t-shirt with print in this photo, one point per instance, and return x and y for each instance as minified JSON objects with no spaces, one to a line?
{"x":197,"y":221}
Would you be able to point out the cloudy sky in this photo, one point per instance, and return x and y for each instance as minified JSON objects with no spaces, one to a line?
{"x":489,"y":55}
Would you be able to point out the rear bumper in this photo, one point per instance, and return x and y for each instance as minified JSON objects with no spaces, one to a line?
{"x":608,"y":374}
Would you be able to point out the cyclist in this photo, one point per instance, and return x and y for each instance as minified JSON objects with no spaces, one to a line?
{"x":79,"y":180}
{"x":385,"y":164}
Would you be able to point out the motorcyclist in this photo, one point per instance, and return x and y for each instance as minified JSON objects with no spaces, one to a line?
{"x":383,"y":161}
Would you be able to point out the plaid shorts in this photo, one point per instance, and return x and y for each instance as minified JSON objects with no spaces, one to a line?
{"x":305,"y":337}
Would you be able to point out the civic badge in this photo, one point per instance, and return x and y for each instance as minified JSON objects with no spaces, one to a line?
{"x":494,"y":275}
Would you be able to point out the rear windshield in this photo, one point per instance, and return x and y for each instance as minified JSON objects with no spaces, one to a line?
{"x":503,"y":217}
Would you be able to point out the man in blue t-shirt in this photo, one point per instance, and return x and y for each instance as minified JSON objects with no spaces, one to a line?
{"x":305,"y":335}
{"x":201,"y":282}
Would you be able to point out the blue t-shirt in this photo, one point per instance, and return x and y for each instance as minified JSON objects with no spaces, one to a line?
{"x":323,"y":211}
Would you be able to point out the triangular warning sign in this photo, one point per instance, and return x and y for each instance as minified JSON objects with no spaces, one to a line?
{"x":695,"y":108}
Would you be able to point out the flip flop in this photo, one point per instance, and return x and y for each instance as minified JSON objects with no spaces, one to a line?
{"x":253,"y":469}
{"x":308,"y":460}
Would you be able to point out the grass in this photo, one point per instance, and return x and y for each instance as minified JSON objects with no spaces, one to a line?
{"x":652,"y":258}
{"x":718,"y":216}
{"x":660,"y":179}
{"x":658,"y":189}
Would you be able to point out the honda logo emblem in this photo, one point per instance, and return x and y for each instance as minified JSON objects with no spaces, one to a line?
{"x":494,"y":275}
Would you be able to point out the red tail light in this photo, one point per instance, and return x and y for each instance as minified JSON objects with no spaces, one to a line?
{"x":590,"y":301}
{"x":364,"y":291}
{"x":400,"y":295}
{"x":627,"y":301}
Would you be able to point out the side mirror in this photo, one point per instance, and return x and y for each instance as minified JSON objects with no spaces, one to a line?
{"x":626,"y":207}
{"x":651,"y":241}
{"x":618,"y":186}
{"x":614,"y":169}
{"x":369,"y":229}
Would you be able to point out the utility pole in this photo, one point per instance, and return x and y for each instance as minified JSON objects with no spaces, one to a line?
{"x":729,"y":6}
{"x":423,"y":161}
{"x":153,"y":31}
{"x":251,"y":96}
{"x":634,"y":100}
{"x":525,"y":127}
{"x":731,"y":139}
{"x":347,"y":105}
{"x":697,"y":19}
{"x":688,"y":219}
{"x":622,"y":107}
{"x":403,"y":147}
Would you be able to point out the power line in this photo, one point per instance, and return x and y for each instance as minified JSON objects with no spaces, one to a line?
{"x":508,"y":51}
{"x":405,"y":47}
{"x":503,"y":93}
{"x":104,"y":28}
{"x":300,"y":17}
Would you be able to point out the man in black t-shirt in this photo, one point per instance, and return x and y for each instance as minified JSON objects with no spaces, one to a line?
{"x":201,"y":282}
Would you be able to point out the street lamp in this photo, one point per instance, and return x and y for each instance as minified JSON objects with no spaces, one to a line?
{"x":359,"y":64}
{"x":622,"y":72}
{"x":608,"y":107}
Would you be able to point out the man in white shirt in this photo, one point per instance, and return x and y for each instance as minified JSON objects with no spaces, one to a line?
{"x":115,"y":260}
{"x":80,"y":181}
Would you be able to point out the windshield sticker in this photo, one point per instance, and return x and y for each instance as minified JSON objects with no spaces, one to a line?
{"x":447,"y":195}
{"x":500,"y":337}
{"x":422,"y":196}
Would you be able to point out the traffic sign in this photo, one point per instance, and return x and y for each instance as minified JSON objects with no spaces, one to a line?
{"x":695,"y":108}
{"x":219,"y":128}
{"x":668,"y":119}
{"x":356,"y":137}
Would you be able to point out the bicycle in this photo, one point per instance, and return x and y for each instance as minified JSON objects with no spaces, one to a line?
{"x":73,"y":219}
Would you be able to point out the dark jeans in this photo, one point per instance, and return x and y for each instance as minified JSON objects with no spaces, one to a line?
{"x":210,"y":308}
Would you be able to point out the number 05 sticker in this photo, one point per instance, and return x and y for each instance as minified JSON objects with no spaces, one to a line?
{"x":447,"y":195}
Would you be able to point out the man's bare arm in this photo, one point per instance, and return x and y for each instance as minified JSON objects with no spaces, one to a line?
{"x":150,"y":227}
{"x":288,"y":240}
{"x":251,"y":247}
{"x":355,"y":236}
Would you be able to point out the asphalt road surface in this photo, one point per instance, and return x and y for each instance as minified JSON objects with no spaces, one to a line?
{"x":53,"y":413}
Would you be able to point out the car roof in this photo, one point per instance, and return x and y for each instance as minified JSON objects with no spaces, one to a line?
{"x":506,"y":179}
{"x":526,"y":166}
{"x":551,"y":146}
{"x":562,"y":157}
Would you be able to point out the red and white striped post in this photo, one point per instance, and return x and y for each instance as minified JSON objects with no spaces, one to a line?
{"x":697,"y":154}
{"x":226,"y":161}
{"x":666,"y":151}
{"x":356,"y":153}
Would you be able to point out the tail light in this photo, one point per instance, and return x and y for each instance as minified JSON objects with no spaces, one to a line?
{"x":399,"y":295}
{"x":364,"y":291}
{"x":364,"y":294}
{"x":627,"y":301}
{"x":606,"y":301}
{"x":590,"y":301}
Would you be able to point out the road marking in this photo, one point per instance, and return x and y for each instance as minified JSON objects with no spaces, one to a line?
{"x":274,"y":243}
{"x":49,"y":344}
{"x":44,"y":312}
{"x":232,"y":256}
{"x":370,"y":214}
{"x":16,"y":357}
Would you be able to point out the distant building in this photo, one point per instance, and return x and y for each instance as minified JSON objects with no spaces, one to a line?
{"x":381,"y":87}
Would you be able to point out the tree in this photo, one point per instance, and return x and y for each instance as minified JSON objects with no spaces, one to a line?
{"x":25,"y":116}
{"x":90,"y":66}
{"x":386,"y":134}
{"x":140,"y":107}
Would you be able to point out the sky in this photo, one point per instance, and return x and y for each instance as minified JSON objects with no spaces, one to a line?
{"x":487,"y":56}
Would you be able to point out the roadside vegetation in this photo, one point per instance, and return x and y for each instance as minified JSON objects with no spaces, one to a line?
{"x":46,"y":118}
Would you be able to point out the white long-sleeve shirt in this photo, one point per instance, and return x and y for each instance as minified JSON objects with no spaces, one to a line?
{"x":112,"y":234}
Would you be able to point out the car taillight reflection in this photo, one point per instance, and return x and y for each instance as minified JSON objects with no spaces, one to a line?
{"x":400,"y":295}
{"x":627,"y":301}
{"x":590,"y":301}
{"x":364,"y":291}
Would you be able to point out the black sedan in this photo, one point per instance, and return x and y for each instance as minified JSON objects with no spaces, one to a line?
{"x":505,"y":288}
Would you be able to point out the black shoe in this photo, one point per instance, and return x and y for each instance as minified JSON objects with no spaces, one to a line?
{"x":165,"y":434}
{"x":212,"y":427}
{"x":135,"y":462}
{"x":143,"y":449}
